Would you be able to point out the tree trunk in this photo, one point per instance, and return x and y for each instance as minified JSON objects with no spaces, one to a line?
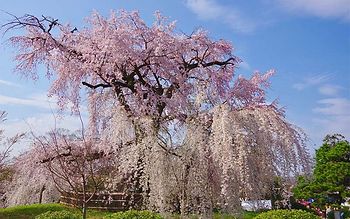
{"x":84,"y":198}
{"x":183,"y":203}
{"x":84,"y":209}
{"x":41,"y":194}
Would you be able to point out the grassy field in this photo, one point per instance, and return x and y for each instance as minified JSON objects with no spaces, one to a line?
{"x":30,"y":211}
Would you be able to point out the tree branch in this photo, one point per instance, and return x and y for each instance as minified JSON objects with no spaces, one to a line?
{"x":96,"y":86}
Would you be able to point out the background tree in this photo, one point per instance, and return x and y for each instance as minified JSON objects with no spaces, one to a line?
{"x":330,"y":182}
{"x":281,"y":193}
{"x":31,"y":182}
{"x":61,"y":163}
{"x":75,"y":165}
{"x":6,"y":145}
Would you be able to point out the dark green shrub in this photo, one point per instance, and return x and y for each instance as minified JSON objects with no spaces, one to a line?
{"x":58,"y":215}
{"x":286,"y":214}
{"x":133,"y":214}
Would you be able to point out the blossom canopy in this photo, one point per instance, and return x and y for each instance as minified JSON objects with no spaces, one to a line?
{"x":151,"y":70}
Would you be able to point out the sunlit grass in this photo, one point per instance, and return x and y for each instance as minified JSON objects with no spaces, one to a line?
{"x":30,"y":211}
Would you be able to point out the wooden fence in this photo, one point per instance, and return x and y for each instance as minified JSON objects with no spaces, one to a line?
{"x":111,"y":201}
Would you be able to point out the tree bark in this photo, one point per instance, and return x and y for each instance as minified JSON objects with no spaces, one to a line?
{"x":84,"y":199}
{"x":84,"y":209}
{"x":41,"y":194}
{"x":183,"y":203}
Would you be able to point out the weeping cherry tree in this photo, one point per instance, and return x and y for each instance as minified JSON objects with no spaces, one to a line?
{"x":185,"y":130}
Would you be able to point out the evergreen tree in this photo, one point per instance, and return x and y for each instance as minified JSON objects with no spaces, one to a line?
{"x":330,"y":183}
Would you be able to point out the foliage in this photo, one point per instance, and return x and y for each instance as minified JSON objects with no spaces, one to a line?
{"x":133,"y":214}
{"x":286,"y":214}
{"x":58,"y":215}
{"x":182,"y":128}
{"x":331,"y":177}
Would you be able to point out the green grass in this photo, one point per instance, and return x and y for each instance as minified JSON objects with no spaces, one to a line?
{"x":30,"y":211}
{"x":249,"y":214}
{"x":244,"y":215}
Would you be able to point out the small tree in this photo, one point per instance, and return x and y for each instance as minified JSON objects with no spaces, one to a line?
{"x":330,"y":182}
{"x":75,"y":164}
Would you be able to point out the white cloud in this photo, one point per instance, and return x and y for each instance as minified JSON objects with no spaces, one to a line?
{"x":334,"y":107}
{"x":39,"y":100}
{"x":245,"y":65}
{"x":39,"y":124}
{"x":319,"y":8}
{"x":9,"y":83}
{"x":212,"y":10}
{"x":299,"y":86}
{"x":333,"y":116}
{"x":205,"y":9}
{"x":311,"y":81}
{"x":333,"y":125}
{"x":329,"y":89}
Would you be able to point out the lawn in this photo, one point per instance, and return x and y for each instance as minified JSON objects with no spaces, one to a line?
{"x":30,"y":211}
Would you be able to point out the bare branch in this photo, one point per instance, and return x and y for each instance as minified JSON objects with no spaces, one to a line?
{"x":46,"y":24}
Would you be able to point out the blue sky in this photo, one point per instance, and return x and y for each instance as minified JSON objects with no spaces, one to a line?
{"x":307,"y":42}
